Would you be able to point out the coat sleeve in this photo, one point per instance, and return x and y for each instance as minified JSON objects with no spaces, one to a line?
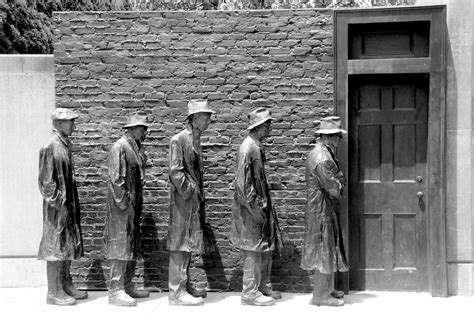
{"x":117,"y":172}
{"x":327,"y":174}
{"x":49,"y":187}
{"x":183,"y":184}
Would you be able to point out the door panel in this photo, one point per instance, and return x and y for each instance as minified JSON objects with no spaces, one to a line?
{"x":387,"y":152}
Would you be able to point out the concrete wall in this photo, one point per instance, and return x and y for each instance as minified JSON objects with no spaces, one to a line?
{"x":459,"y":144}
{"x":109,"y":65}
{"x":26,"y":101}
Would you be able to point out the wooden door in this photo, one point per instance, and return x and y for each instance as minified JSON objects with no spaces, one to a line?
{"x":388,"y":117}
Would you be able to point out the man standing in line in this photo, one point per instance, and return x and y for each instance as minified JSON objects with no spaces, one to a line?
{"x":62,"y":237}
{"x":323,"y":250}
{"x":186,"y":233}
{"x":126,"y":172}
{"x":254,"y":227}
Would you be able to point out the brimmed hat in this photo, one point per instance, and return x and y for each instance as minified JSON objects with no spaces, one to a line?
{"x":330,"y":125}
{"x":259,"y":116}
{"x":136,"y":120}
{"x":198,"y":105}
{"x":63,"y":114}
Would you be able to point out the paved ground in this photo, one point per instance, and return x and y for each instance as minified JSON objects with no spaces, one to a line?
{"x":32,"y":300}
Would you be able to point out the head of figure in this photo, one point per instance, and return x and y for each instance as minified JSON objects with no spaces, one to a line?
{"x":260,"y":123}
{"x":330,"y":131}
{"x":65,"y":127}
{"x":137,"y":127}
{"x":200,"y":121}
{"x":138,"y":132}
{"x":199,"y":115}
{"x":262,"y":131}
{"x":331,"y":139}
{"x":63,"y":120}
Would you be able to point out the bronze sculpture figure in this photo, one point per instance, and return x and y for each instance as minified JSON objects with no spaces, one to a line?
{"x":186,"y":233}
{"x":62,"y":238}
{"x":323,"y":250}
{"x":126,"y":178}
{"x":254,"y":227}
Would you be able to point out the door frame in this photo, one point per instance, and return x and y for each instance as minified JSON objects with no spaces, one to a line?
{"x":435,"y":66}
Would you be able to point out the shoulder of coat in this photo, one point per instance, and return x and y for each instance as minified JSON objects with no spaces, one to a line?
{"x":248,"y":145}
{"x":319,"y":153}
{"x":181,"y":136}
{"x":52,"y":142}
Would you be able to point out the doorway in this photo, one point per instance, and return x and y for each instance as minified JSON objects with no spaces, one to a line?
{"x":389,"y":83}
{"x":388,"y":123}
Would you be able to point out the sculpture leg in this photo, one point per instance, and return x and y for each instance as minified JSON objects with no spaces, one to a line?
{"x":178,"y":277}
{"x":251,"y":280}
{"x":195,"y":292}
{"x":67,"y":282}
{"x":265,"y":283}
{"x":56,"y":294}
{"x":130,"y":288}
{"x":117,"y":294}
{"x":323,"y":286}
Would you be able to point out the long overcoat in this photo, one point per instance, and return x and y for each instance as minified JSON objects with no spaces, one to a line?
{"x":187,"y":231}
{"x":126,"y":178}
{"x":62,"y":237}
{"x":254,"y":224}
{"x":323,"y":248}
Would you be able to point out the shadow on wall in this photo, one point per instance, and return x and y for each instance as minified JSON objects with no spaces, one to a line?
{"x":155,"y":257}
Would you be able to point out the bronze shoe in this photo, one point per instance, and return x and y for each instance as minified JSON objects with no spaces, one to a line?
{"x":337,"y":294}
{"x":185,"y":299}
{"x":328,"y":302}
{"x":197,"y":292}
{"x":276,"y":295}
{"x":76,"y":294}
{"x":62,"y":299}
{"x":120,"y":298}
{"x":261,"y":300}
{"x":135,"y":293}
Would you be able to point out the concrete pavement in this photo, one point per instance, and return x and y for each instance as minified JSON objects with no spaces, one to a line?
{"x":33,"y":300}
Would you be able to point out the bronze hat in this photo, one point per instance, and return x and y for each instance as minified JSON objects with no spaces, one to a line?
{"x":330,"y":125}
{"x":136,"y":120}
{"x":259,"y":116}
{"x":63,"y":114}
{"x":198,"y":105}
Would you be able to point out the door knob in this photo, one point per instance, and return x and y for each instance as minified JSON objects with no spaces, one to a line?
{"x":419,"y":194}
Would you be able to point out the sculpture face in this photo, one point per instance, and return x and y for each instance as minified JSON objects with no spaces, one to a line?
{"x":66,"y":127}
{"x":139,"y":133}
{"x":201,"y":120}
{"x":332,"y":139}
{"x":263,"y":130}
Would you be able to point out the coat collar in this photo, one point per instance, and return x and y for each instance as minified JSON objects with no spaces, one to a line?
{"x":64,"y":139}
{"x":331,"y":152}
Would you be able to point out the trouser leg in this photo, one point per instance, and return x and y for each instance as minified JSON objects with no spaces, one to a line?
{"x":67,"y":282}
{"x":252,"y":274}
{"x":129,"y":274}
{"x":323,"y":285}
{"x":178,"y":277}
{"x":130,"y":287}
{"x":117,"y":276}
{"x":117,"y":295}
{"x":52,"y":273}
{"x":265,"y":283}
{"x":56,"y":294}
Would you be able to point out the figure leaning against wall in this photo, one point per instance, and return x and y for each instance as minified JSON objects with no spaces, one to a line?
{"x":254,"y":227}
{"x":126,"y":178}
{"x":186,"y":231}
{"x":323,"y":249}
{"x":62,"y":238}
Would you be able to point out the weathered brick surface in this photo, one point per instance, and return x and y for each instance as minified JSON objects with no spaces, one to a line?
{"x":111,"y":64}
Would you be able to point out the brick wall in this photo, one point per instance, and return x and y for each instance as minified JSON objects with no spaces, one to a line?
{"x":109,"y":65}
